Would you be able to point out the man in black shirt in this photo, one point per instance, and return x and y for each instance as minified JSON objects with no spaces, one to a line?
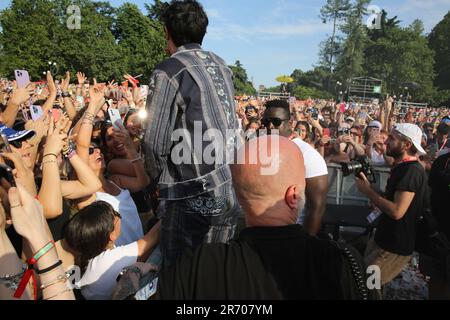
{"x":404,"y":201}
{"x":274,"y":258}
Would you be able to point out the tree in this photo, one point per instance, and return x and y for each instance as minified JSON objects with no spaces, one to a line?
{"x":110,"y":42}
{"x":156,"y":9}
{"x":27,"y":41}
{"x":333,"y":10}
{"x":141,"y":40}
{"x":240,"y":79}
{"x":401,"y":57}
{"x":350,"y":63}
{"x":439,"y":41}
{"x":93,"y":48}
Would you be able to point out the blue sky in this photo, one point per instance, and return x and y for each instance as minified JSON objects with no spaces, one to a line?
{"x":274,"y":37}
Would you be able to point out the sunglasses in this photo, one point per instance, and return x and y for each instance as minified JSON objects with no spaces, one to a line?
{"x":16,"y":144}
{"x":92,"y":150}
{"x":275,"y":121}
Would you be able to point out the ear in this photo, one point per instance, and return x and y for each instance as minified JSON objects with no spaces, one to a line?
{"x":292,"y":197}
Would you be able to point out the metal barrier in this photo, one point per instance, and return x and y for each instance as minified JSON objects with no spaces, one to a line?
{"x":343,"y":191}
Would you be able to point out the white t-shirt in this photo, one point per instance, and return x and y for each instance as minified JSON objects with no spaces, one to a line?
{"x":377,"y":158}
{"x":315,"y":165}
{"x":99,"y":280}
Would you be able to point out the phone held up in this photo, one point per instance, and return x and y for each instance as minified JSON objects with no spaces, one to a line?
{"x":22,"y":78}
{"x":116,"y":120}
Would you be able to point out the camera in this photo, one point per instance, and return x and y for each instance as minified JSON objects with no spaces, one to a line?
{"x":344,"y":131}
{"x":361,"y":164}
{"x":314,"y":113}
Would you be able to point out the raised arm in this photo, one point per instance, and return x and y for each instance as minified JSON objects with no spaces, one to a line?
{"x":68,"y":104}
{"x":50,"y":194}
{"x":86,"y":123}
{"x":141,"y":179}
{"x":86,"y":185}
{"x":29,"y":221}
{"x":48,"y":105}
{"x":18,"y":97}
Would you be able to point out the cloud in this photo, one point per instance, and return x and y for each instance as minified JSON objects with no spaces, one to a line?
{"x":233,"y":31}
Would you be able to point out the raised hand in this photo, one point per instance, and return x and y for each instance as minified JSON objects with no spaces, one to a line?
{"x":56,"y":137}
{"x":51,"y":84}
{"x":97,"y":96}
{"x":27,"y":214}
{"x":21,"y":95}
{"x":81,"y":77}
{"x":65,"y":82}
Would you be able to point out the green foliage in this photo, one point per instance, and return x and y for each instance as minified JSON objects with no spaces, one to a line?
{"x":304,"y":93}
{"x":402,"y":56}
{"x":240,"y":79}
{"x":111,"y":41}
{"x":439,"y":41}
{"x":335,"y":11}
{"x":140,"y":39}
{"x":350,"y":62}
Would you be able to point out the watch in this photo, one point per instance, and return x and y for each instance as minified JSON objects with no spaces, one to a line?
{"x":125,"y":270}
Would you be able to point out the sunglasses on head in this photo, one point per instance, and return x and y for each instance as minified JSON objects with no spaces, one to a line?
{"x":275,"y":121}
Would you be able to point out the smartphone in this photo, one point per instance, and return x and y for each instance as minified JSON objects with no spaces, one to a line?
{"x":4,"y":143}
{"x":55,"y":113}
{"x":36,"y":112}
{"x":326,"y":132}
{"x":7,"y":173}
{"x":22,"y":78}
{"x":116,"y":120}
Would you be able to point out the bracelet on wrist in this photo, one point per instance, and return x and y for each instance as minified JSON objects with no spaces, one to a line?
{"x":51,"y":268}
{"x":65,"y":94}
{"x":61,"y":278}
{"x":136,"y":160}
{"x":59,"y":293}
{"x":50,"y":154}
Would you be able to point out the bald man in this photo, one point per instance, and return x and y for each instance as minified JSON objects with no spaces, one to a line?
{"x":274,"y":258}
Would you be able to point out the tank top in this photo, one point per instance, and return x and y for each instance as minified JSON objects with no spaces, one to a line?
{"x":131,"y":225}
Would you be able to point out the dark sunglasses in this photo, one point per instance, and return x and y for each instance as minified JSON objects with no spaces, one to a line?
{"x":16,"y":144}
{"x":275,"y":121}
{"x":92,"y":149}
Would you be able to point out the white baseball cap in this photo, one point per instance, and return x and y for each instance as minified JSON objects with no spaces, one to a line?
{"x":414,"y":133}
{"x":375,"y":124}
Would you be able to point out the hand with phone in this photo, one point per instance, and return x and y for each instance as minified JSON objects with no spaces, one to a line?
{"x":116,"y":119}
{"x":22,"y":78}
{"x":21,"y":95}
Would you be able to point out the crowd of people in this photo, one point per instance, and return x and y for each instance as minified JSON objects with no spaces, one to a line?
{"x":83,"y":187}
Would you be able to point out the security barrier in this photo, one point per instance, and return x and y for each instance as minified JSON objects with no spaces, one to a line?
{"x":343,"y":190}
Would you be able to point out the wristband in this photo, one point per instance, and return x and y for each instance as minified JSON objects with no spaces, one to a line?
{"x":65,"y":94}
{"x":50,"y":154}
{"x":136,"y":160}
{"x":46,"y":270}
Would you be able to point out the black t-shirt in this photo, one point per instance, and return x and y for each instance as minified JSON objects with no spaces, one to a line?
{"x":398,"y":236}
{"x":264,"y":263}
{"x":440,"y":192}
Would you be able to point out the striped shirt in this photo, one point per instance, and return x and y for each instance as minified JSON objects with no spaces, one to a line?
{"x":191,"y":104}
